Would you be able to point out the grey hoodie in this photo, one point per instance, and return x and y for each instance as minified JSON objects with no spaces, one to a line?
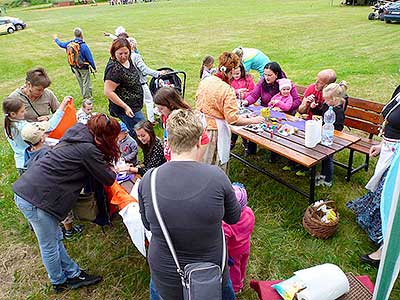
{"x":143,"y":70}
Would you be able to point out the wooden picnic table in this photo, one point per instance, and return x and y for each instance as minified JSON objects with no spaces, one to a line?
{"x":292,"y":147}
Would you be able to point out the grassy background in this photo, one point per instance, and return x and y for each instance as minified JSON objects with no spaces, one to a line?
{"x":304,"y":36}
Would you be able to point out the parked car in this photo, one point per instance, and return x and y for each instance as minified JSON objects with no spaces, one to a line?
{"x":6,"y":27}
{"x":18,"y":23}
{"x":392,"y":13}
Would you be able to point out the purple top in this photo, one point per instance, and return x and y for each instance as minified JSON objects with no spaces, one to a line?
{"x":271,"y":90}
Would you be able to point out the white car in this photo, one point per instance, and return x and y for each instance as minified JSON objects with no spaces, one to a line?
{"x":6,"y":26}
{"x":18,"y":23}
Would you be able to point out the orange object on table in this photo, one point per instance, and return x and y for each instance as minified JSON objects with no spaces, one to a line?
{"x":118,"y":196}
{"x":67,"y":121}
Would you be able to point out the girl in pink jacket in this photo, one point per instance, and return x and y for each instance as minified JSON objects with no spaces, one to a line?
{"x":238,"y":239}
{"x":242,"y":82}
{"x":282,"y":101}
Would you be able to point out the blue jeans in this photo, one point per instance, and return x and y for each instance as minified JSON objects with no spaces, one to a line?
{"x":327,"y":168}
{"x":58,"y":264}
{"x":131,"y":122}
{"x":227,"y":291}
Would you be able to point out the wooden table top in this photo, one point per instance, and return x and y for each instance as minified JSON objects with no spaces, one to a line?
{"x":292,"y":146}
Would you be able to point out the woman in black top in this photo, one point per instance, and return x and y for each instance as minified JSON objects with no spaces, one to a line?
{"x":193,"y":199}
{"x":367,"y":207}
{"x":153,"y":150}
{"x":122,"y":86}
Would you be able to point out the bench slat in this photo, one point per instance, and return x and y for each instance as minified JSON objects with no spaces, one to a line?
{"x":360,"y":148}
{"x":365,"y":104}
{"x":364,"y":115}
{"x":361,"y":125}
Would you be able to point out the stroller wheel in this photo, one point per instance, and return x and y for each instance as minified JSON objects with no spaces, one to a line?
{"x":371,"y":16}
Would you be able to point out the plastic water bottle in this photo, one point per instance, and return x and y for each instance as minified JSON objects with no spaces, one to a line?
{"x":328,"y":128}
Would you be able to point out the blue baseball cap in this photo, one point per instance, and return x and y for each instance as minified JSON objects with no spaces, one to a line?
{"x":123,"y":127}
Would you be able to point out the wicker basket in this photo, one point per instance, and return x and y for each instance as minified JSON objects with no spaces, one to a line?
{"x":313,"y":224}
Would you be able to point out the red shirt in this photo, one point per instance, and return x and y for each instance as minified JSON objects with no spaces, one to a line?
{"x":167,"y":150}
{"x":311,"y":90}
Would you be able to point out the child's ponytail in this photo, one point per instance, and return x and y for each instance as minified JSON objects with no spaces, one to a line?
{"x":207,"y":60}
{"x":337,"y":91}
{"x":10,"y":105}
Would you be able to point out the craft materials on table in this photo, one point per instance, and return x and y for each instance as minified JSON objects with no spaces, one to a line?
{"x":275,"y":123}
{"x":280,"y":117}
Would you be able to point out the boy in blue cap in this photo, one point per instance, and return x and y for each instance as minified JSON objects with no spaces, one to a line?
{"x":127,"y":145}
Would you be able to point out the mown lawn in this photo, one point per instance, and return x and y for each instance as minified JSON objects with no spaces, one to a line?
{"x":304,"y":36}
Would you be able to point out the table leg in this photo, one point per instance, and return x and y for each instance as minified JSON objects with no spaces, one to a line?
{"x":311,"y":197}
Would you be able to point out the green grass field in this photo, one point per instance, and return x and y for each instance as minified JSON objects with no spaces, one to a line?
{"x":304,"y":36}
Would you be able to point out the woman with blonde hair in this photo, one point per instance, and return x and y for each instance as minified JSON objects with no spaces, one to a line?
{"x":193,"y":200}
{"x":217,"y":100}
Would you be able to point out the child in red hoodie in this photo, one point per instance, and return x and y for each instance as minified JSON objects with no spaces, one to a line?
{"x":238,"y":239}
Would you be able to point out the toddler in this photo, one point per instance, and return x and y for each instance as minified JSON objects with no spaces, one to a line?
{"x":334,"y":95}
{"x":242,"y":82}
{"x":207,"y":69}
{"x":283,"y":100}
{"x":127,"y":145}
{"x":238,"y":239}
{"x":85,"y":112}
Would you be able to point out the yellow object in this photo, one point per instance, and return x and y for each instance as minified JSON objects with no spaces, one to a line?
{"x":266,"y":112}
{"x":331,"y":215}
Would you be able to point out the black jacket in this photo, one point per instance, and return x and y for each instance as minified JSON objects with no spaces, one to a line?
{"x":54,"y":182}
{"x":339,"y":112}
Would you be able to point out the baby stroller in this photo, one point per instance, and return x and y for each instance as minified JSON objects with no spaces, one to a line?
{"x":170,"y":79}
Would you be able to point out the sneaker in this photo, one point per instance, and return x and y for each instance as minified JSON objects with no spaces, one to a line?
{"x":59,"y":288}
{"x":324,"y":183}
{"x":83,"y":279}
{"x":319,"y":177}
{"x":76,"y":230}
{"x":287,"y":168}
{"x":300,"y":173}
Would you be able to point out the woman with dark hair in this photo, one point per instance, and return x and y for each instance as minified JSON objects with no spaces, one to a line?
{"x":268,"y":87}
{"x":122,"y":85}
{"x":217,"y":100}
{"x":153,"y":153}
{"x":39,"y":101}
{"x":49,"y":189}
{"x":167,"y":100}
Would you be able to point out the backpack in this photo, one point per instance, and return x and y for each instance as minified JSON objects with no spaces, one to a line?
{"x":73,"y":54}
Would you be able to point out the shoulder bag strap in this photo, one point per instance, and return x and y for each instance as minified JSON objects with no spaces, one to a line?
{"x":30,"y":103}
{"x":166,"y":234}
{"x":162,"y":224}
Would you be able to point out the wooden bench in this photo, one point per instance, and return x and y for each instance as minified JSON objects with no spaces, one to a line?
{"x":362,"y":118}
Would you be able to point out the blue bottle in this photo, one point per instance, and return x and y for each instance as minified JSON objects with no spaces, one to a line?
{"x":328,"y":128}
